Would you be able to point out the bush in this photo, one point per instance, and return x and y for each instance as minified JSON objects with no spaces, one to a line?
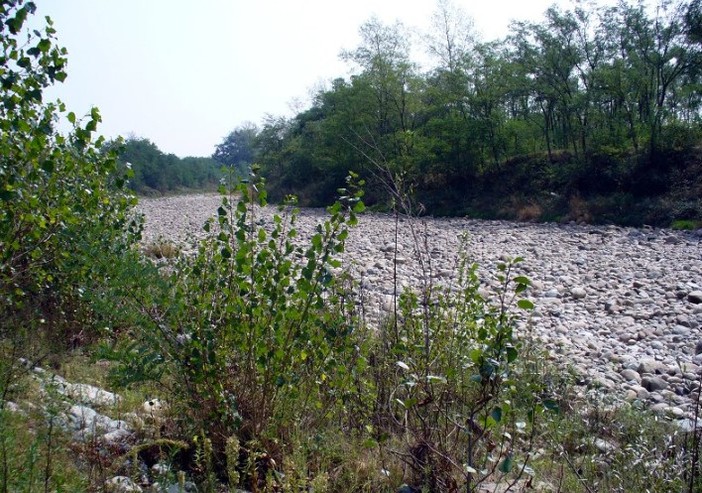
{"x":254,"y":331}
{"x":57,"y":193}
{"x":61,"y":206}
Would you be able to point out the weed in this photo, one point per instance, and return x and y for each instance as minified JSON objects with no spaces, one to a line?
{"x":161,"y":249}
{"x":685,"y":225}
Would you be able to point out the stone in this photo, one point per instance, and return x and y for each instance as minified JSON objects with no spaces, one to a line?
{"x":676,"y":412}
{"x":688,"y":425}
{"x":695,"y":297}
{"x":653,"y":384}
{"x":91,"y":395}
{"x":660,"y":408}
{"x":604,"y":446}
{"x":651,"y":366}
{"x":630,"y":375}
{"x":122,"y":484}
{"x":681,"y":330}
{"x":578,"y":293}
{"x":551,"y":293}
{"x":637,"y":295}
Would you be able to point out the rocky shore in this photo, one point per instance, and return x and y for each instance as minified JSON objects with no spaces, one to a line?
{"x":621,"y":306}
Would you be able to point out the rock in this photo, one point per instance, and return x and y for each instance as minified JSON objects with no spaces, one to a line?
{"x":578,"y":293}
{"x":641,"y":393}
{"x":681,"y":330}
{"x":660,"y":408}
{"x":188,"y":487}
{"x":551,"y":293}
{"x":688,"y":425}
{"x":630,"y":375}
{"x":93,"y":396}
{"x":653,"y":384}
{"x":635,"y":306}
{"x":676,"y":412}
{"x":117,"y":436}
{"x":87,"y":423}
{"x":122,"y":484}
{"x":651,"y":366}
{"x":695,"y":297}
{"x":604,"y":446}
{"x":153,"y":407}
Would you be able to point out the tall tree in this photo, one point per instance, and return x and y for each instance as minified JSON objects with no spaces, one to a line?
{"x":238,"y":148}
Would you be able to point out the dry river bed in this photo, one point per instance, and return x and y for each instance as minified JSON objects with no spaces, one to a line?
{"x":621,"y":306}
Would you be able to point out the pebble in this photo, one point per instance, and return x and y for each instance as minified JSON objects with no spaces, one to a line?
{"x":122,"y":484}
{"x":630,"y":299}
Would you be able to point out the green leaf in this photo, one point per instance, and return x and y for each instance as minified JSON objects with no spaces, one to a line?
{"x":551,"y":405}
{"x":506,"y":465}
{"x":496,"y":414}
{"x":525,"y":304}
{"x":512,"y":354}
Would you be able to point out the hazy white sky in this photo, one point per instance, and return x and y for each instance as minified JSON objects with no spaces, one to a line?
{"x":184,"y":74}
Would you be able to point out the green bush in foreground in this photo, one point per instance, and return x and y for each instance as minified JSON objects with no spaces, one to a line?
{"x":261,"y":346}
{"x":61,"y":205}
{"x":57,"y":193}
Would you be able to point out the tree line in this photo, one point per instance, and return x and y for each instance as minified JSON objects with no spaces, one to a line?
{"x":155,"y":172}
{"x":595,"y":98}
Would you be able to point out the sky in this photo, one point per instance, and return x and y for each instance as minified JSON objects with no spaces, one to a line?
{"x":184,"y":74}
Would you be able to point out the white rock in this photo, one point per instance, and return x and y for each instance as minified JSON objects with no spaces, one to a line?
{"x":153,"y":407}
{"x":122,"y":484}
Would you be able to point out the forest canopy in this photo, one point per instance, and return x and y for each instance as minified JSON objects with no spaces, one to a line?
{"x":592,"y":101}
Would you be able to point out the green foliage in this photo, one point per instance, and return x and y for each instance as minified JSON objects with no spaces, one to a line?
{"x":57,"y":193}
{"x":446,"y":381}
{"x":610,"y":447}
{"x":255,"y":330}
{"x":152,"y":171}
{"x":62,"y":204}
{"x":237,"y":149}
{"x":34,"y":456}
{"x":591,"y":99}
{"x":685,"y":224}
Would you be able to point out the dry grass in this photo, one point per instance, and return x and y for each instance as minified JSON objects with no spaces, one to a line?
{"x":529,"y":213}
{"x":579,"y":210}
{"x":161,"y":249}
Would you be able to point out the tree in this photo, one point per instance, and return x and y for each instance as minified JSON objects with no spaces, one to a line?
{"x":238,"y":148}
{"x":61,"y":202}
{"x":452,"y":37}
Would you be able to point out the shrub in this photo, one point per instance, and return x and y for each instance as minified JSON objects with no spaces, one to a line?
{"x":685,"y":224}
{"x":57,"y":193}
{"x":254,"y":330}
{"x":445,"y":383}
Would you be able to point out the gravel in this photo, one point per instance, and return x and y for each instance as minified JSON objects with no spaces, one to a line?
{"x":622,"y":306}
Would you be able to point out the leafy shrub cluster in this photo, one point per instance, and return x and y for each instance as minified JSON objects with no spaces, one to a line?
{"x":61,"y":200}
